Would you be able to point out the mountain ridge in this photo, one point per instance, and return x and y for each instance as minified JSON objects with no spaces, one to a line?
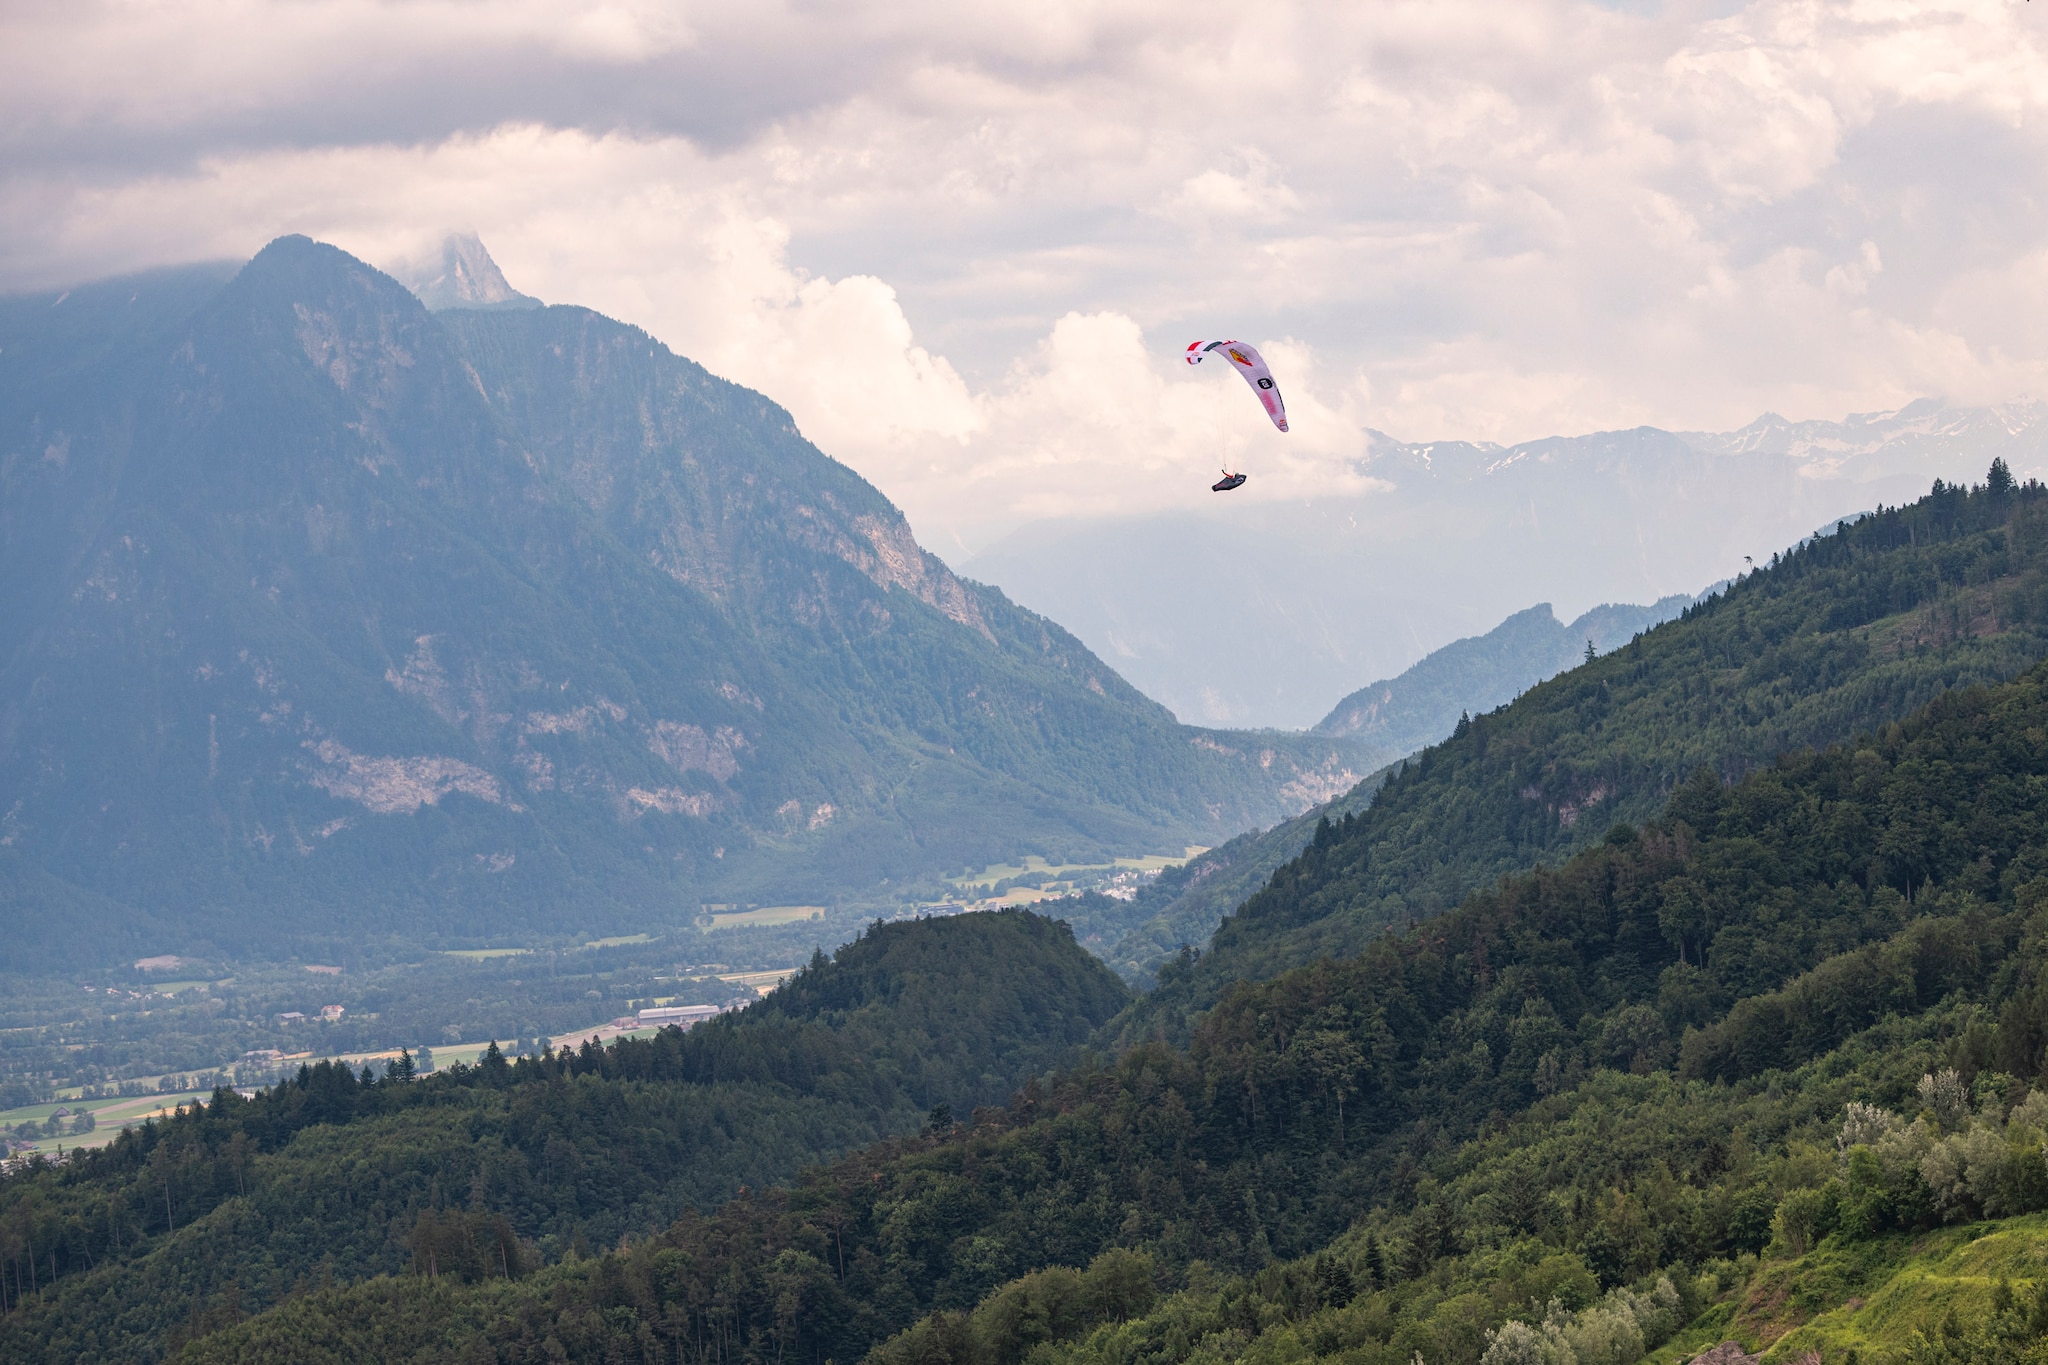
{"x":1845,"y":632}
{"x":1479,"y":673}
{"x":342,"y":640}
{"x":1601,"y":1101}
{"x":1183,"y":905}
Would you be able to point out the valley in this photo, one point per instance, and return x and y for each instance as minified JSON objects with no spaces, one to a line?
{"x":1588,"y":993}
{"x":1084,"y":684}
{"x":538,"y":624}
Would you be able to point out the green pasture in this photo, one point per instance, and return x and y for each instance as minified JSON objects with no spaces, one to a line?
{"x":1036,"y":866}
{"x":1878,"y":1297}
{"x":111,"y":1115}
{"x":766,"y":914}
{"x":760,"y":981}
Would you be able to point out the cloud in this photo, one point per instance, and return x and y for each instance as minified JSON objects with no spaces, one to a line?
{"x":962,"y":243}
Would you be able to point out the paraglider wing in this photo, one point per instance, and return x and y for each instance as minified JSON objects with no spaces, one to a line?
{"x":1249,"y":363}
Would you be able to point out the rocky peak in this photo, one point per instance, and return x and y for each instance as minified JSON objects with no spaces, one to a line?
{"x":461,"y":274}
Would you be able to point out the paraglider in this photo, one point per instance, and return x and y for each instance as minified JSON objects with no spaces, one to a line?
{"x":1247,"y":362}
{"x":1226,"y":483}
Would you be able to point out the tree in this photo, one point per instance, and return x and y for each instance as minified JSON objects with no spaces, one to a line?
{"x":1335,"y":1062}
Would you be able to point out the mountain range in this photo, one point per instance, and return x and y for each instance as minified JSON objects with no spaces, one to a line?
{"x":1260,"y":614}
{"x":1694,"y":996}
{"x":332,"y":618}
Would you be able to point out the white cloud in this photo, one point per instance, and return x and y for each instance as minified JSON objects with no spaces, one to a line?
{"x":962,"y":243}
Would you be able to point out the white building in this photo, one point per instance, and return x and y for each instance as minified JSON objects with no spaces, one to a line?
{"x":683,"y":1015}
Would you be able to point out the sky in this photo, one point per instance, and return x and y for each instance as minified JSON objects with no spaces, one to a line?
{"x":964,"y":243}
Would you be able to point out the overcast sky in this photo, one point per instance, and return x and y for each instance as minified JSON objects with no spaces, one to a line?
{"x":963,"y":243}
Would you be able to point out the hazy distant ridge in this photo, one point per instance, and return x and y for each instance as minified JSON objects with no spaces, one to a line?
{"x":1263,"y":613}
{"x":1422,"y":705}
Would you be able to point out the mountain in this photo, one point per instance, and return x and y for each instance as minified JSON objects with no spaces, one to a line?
{"x":332,"y":1176}
{"x":1721,"y":1075}
{"x":1845,"y":633}
{"x":1184,"y":904}
{"x":1907,"y":441}
{"x":1264,"y":613}
{"x":462,"y":275}
{"x":330,"y":618}
{"x":1463,"y":827}
{"x":1423,"y":704}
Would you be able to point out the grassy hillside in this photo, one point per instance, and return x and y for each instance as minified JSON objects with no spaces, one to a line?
{"x":336,"y":1177}
{"x":1845,"y":633}
{"x":1801,"y":1011}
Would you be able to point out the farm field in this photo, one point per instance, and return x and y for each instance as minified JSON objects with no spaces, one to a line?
{"x":109,"y":1115}
{"x":765,"y":914}
{"x":1026,"y":895}
{"x":113,"y":1114}
{"x":1004,"y":886}
{"x":1034,"y":866}
{"x":759,"y":981}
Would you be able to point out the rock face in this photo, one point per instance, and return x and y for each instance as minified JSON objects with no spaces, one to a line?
{"x":462,"y":275}
{"x":329,"y":617}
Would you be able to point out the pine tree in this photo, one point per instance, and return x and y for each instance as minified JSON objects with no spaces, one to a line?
{"x":1375,"y":1262}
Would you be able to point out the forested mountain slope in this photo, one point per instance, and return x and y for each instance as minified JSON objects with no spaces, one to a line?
{"x":332,"y":1176}
{"x":1635,"y":1065}
{"x":328,"y":617}
{"x":1396,"y":716}
{"x":1845,"y":632}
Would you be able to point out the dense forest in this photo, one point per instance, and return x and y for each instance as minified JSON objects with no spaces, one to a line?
{"x":1575,"y":1083}
{"x":1807,"y":1005}
{"x":335,"y":1175}
{"x":1844,"y":633}
{"x":1756,"y":1062}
